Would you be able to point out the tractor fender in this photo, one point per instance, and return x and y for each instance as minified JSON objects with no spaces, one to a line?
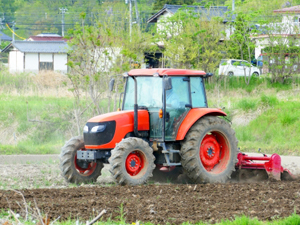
{"x":124,"y":125}
{"x":193,"y":116}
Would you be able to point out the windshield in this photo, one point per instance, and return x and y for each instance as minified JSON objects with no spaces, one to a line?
{"x":149,"y":92}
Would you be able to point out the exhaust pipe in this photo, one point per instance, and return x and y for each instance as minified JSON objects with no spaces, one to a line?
{"x":135,"y":110}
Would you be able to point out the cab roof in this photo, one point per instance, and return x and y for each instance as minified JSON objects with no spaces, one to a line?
{"x":165,"y":72}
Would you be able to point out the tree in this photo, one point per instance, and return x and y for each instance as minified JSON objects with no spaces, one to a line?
{"x":100,"y":52}
{"x":159,"y":4}
{"x":240,"y":45}
{"x":191,"y":41}
{"x":282,"y":52}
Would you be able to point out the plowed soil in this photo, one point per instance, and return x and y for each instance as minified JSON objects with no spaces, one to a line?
{"x":173,"y":203}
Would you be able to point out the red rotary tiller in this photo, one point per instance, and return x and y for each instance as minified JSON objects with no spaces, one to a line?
{"x":272,"y":165}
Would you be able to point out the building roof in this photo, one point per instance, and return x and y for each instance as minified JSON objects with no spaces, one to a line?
{"x":213,"y":11}
{"x":293,"y":9}
{"x":40,"y":46}
{"x":46,"y":37}
{"x":164,"y":72}
{"x":5,"y":37}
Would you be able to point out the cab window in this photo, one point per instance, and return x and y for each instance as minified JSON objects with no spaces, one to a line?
{"x":198,"y":92}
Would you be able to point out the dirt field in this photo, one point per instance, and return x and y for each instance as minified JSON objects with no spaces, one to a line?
{"x":157,"y":203}
{"x":163,"y":203}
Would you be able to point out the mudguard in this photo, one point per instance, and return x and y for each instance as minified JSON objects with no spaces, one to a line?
{"x":124,"y":124}
{"x":194,"y":115}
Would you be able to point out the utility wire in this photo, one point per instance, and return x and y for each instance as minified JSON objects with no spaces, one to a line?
{"x":14,"y":32}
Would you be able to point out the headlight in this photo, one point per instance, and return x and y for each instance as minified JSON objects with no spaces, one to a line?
{"x":97,"y":129}
{"x":85,"y":129}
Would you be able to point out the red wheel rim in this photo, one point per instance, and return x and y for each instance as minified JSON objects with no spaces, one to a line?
{"x":134,"y":163}
{"x":214,"y":152}
{"x":85,"y":171}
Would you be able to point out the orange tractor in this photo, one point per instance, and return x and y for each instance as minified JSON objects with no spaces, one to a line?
{"x":164,"y":123}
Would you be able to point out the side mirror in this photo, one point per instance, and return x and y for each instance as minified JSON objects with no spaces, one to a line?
{"x":208,"y":75}
{"x":167,"y":83}
{"x":111,"y":84}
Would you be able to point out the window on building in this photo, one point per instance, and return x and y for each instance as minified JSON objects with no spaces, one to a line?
{"x":46,"y":65}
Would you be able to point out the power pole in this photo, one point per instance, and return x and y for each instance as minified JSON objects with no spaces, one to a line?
{"x":130,"y":15}
{"x":63,"y":11}
{"x":137,"y":14}
{"x":13,"y":26}
{"x":1,"y":28}
{"x":130,"y":19}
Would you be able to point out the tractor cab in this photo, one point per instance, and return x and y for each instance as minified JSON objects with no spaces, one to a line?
{"x":168,"y":95}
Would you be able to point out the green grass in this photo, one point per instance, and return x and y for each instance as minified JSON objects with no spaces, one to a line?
{"x":43,"y":120}
{"x":275,"y":130}
{"x":264,"y":81}
{"x":294,"y":219}
{"x":247,"y":104}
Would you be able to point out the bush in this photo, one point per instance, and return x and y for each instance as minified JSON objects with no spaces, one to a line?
{"x":247,"y":104}
{"x":268,"y":101}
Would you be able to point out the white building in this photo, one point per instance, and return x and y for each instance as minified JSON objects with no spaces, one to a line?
{"x":206,"y":13}
{"x":35,"y":56}
{"x":287,"y":28}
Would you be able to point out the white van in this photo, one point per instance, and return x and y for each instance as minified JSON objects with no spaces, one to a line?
{"x":237,"y":67}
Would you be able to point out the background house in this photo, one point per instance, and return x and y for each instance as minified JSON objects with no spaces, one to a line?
{"x":34,"y":56}
{"x":207,"y":14}
{"x":161,"y":18}
{"x":288,"y":27}
{"x":46,"y":37}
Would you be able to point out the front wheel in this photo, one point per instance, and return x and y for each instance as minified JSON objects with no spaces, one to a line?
{"x":74,"y":170}
{"x":132,"y":161}
{"x":209,"y":151}
{"x":255,"y":74}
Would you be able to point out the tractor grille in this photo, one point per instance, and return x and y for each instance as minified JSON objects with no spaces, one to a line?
{"x":99,"y":138}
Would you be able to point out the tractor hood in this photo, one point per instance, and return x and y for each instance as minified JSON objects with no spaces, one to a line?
{"x":103,"y":131}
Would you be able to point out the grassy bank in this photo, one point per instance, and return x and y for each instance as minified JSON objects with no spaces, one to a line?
{"x":32,"y":124}
{"x":264,"y":115}
{"x":37,"y":112}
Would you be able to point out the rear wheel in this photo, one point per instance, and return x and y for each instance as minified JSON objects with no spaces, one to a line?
{"x":230,"y":74}
{"x":255,"y":74}
{"x":132,"y":161}
{"x":74,"y":170}
{"x":209,"y":151}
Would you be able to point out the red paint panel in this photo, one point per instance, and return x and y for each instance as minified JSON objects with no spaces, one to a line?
{"x":124,"y":124}
{"x":193,"y":116}
{"x":164,"y":72}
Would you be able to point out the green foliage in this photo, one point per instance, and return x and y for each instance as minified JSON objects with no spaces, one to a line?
{"x":232,"y":83}
{"x":282,"y":59}
{"x":190,"y":41}
{"x":240,"y":45}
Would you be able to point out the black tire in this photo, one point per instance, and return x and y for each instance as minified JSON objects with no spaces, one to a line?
{"x":209,"y":151}
{"x":70,"y":166}
{"x":231,"y":74}
{"x":132,"y":162}
{"x":255,"y":74}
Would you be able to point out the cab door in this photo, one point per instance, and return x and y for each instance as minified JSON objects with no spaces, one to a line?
{"x":178,"y":103}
